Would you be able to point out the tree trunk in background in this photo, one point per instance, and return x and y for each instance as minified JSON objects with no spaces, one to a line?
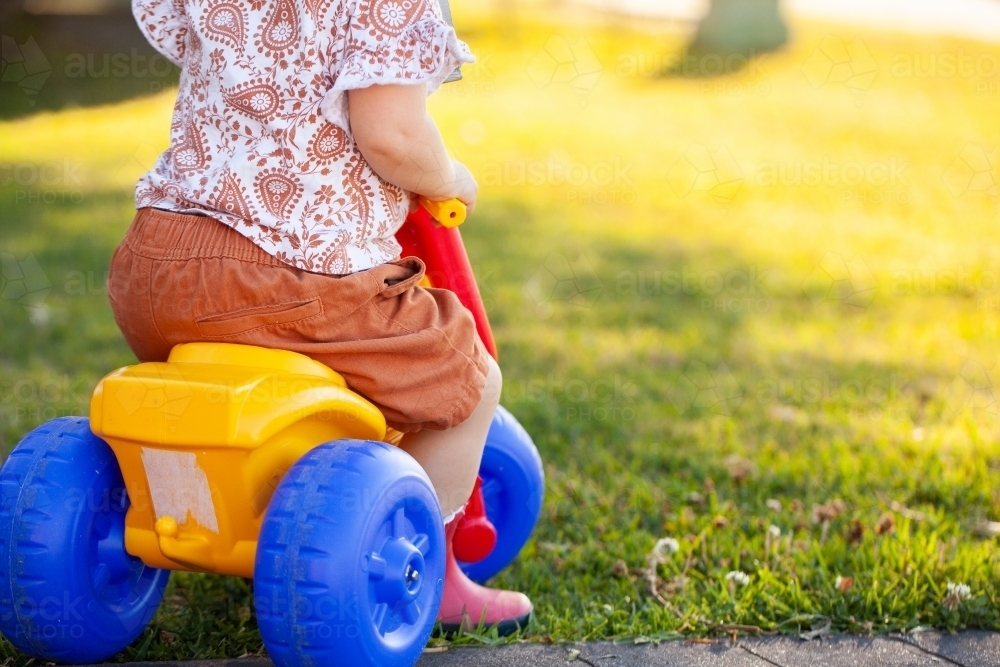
{"x":733,"y":28}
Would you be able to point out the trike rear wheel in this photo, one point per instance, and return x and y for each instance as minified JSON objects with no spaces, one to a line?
{"x":69,"y":592}
{"x":513,"y":489}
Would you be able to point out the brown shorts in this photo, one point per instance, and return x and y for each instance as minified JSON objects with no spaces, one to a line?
{"x":411,"y":351}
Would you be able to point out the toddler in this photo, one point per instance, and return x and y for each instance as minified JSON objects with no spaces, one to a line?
{"x":299,"y":137}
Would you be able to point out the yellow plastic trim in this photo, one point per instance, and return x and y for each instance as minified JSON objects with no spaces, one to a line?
{"x":448,"y":213}
{"x":208,"y":435}
{"x":250,"y":356}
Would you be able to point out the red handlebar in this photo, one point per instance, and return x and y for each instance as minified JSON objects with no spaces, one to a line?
{"x":448,"y":266}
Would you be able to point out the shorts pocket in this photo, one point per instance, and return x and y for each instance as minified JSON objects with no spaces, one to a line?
{"x":398,"y":276}
{"x":240,"y":321}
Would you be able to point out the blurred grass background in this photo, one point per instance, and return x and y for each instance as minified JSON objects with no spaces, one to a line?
{"x":755,"y":313}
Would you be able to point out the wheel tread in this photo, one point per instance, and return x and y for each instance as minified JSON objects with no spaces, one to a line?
{"x":35,"y":516}
{"x":31,"y":548}
{"x":35,"y":532}
{"x":312,"y":552}
{"x":311,"y":587}
{"x":314,"y":530}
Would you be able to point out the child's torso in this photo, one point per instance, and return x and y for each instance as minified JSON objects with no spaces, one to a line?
{"x":251,"y":143}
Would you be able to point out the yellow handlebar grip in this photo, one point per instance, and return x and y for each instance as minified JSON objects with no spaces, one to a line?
{"x":449,"y":213}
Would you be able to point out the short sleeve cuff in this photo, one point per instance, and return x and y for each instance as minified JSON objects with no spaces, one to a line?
{"x":427,"y":52}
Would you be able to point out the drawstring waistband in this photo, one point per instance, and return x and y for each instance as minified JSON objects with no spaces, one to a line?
{"x":159,"y":234}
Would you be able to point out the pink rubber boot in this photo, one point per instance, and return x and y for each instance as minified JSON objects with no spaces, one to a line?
{"x":465,"y":604}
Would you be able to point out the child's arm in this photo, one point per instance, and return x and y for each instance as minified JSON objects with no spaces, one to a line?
{"x":402,"y":144}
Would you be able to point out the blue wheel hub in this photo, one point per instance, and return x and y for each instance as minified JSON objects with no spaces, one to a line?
{"x":396,"y":576}
{"x":114,"y":573}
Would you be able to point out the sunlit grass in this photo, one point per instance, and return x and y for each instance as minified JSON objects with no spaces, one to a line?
{"x":783,"y":337}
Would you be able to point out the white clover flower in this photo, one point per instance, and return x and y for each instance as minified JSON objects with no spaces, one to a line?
{"x":773,"y":504}
{"x":774,"y":531}
{"x":666,"y":546}
{"x":959,"y":590}
{"x":738,"y":578}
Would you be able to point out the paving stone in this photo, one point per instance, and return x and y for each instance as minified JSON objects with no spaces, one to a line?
{"x":601,"y":654}
{"x":970,"y":649}
{"x":842,"y":651}
{"x":931,"y":649}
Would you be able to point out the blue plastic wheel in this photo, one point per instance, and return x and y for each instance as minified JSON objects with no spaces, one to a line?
{"x":350,"y":560}
{"x":513,"y":488}
{"x":68,"y":590}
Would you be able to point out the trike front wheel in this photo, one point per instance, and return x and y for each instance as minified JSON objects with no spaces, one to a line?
{"x":350,"y":559}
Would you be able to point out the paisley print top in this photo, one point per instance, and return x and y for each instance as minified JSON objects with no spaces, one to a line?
{"x":260,"y":137}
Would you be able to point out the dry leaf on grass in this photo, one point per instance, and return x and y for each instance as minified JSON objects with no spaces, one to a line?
{"x":739,"y":468}
{"x":885,"y":524}
{"x":828,"y":511}
{"x":856,"y":532}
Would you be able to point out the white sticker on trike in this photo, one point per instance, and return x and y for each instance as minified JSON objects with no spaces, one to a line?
{"x":179,"y":486}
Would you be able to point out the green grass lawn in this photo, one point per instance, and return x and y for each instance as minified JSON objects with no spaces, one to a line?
{"x":757,"y":314}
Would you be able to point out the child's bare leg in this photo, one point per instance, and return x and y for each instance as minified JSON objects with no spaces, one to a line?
{"x":451,"y":458}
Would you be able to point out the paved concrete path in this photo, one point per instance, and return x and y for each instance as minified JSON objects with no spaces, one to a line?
{"x":968,"y":649}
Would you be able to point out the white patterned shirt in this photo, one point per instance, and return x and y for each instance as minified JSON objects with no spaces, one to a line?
{"x":260,"y":137}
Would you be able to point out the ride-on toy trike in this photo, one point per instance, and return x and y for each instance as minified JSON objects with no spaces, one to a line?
{"x":259,"y":463}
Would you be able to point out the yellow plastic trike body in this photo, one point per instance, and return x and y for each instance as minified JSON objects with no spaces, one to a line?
{"x":204,"y":439}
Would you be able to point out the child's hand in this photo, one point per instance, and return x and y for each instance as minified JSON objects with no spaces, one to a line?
{"x":465,"y":187}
